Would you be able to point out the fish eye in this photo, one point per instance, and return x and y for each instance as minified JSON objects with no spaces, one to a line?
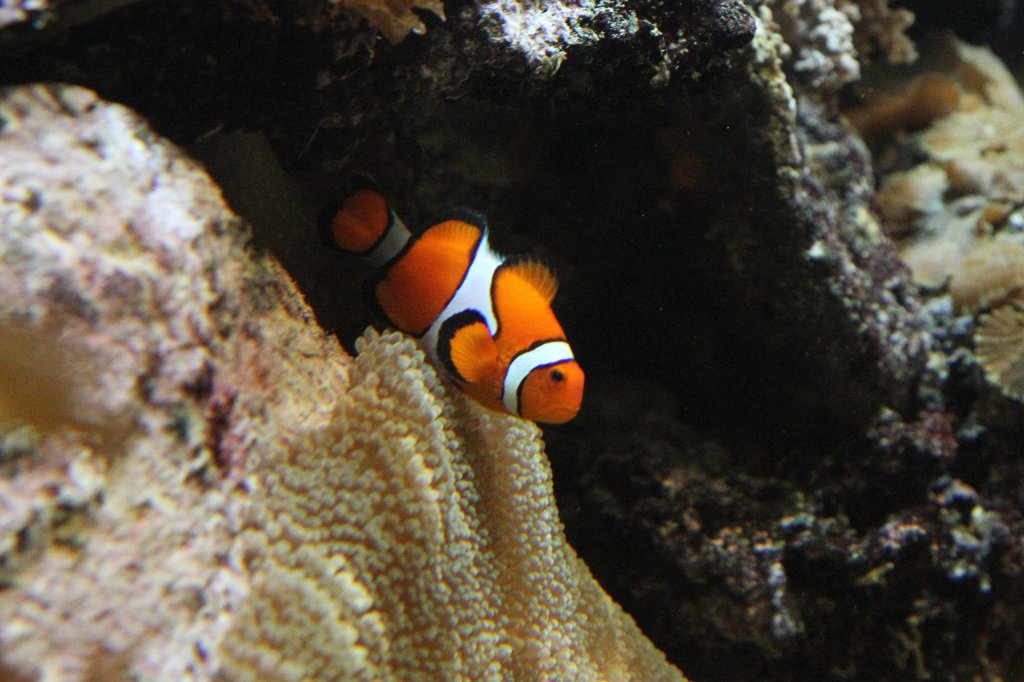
{"x":557,"y":376}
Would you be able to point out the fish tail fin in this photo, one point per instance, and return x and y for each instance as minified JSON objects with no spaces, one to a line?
{"x":363,"y":224}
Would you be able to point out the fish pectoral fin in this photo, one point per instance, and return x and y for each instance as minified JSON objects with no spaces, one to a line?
{"x":474,"y":353}
{"x":535,"y":273}
{"x":467,"y":349}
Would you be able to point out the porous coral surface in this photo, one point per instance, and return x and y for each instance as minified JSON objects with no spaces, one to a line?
{"x":219,"y":491}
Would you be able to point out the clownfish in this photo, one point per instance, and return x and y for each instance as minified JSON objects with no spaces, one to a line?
{"x":484,"y":320}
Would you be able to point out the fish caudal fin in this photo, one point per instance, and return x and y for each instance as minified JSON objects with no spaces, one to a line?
{"x":358,"y":224}
{"x":364,"y":224}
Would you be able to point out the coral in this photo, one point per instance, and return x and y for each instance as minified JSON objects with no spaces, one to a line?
{"x":823,"y":35}
{"x":395,"y":18}
{"x":957,"y":212}
{"x":972,"y":178}
{"x":914,"y":106}
{"x":788,"y":465}
{"x":828,"y":176}
{"x":999,"y":342}
{"x":988,"y":274}
{"x":827,"y":39}
{"x":326,"y":81}
{"x":882,"y":29}
{"x":119,"y":273}
{"x":223,"y":492}
{"x":468,"y":585}
{"x":911,"y":194}
{"x":543,"y":31}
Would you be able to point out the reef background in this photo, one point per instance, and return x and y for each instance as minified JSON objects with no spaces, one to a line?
{"x":789,"y":464}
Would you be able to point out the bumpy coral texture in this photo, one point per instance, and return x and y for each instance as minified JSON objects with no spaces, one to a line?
{"x":543,"y":31}
{"x":467,"y":589}
{"x":1000,"y":347}
{"x":213,"y":489}
{"x":828,"y":39}
{"x":113,"y":535}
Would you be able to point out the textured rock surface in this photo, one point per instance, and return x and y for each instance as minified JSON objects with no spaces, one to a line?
{"x":863,"y":553}
{"x":219,"y":492}
{"x":789,"y":463}
{"x":120,"y":277}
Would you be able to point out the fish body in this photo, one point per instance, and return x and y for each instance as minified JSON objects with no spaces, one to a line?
{"x":483,"y":319}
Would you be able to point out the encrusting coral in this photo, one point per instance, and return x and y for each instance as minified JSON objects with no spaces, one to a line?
{"x":991,"y":278}
{"x":224,"y":494}
{"x":957,"y":213}
{"x":543,"y":32}
{"x":971,"y":179}
{"x":828,"y":39}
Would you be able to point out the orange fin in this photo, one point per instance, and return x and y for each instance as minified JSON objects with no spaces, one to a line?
{"x":461,"y":214}
{"x":359,"y":224}
{"x":454,"y":233}
{"x":536,"y":274}
{"x":466,"y":347}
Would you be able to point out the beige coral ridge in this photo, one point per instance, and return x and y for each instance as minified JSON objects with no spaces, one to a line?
{"x":225,"y":494}
{"x":958,"y":213}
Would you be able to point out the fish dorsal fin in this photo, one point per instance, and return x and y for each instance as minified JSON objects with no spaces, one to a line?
{"x":537,"y":274}
{"x":466,"y":348}
{"x":461,"y":214}
{"x":452,"y":231}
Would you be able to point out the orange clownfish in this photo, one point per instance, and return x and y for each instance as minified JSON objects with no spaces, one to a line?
{"x":485,"y":320}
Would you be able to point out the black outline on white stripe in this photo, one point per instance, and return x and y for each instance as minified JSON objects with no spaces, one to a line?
{"x":449,"y":328}
{"x":522,"y":384}
{"x":533,"y":346}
